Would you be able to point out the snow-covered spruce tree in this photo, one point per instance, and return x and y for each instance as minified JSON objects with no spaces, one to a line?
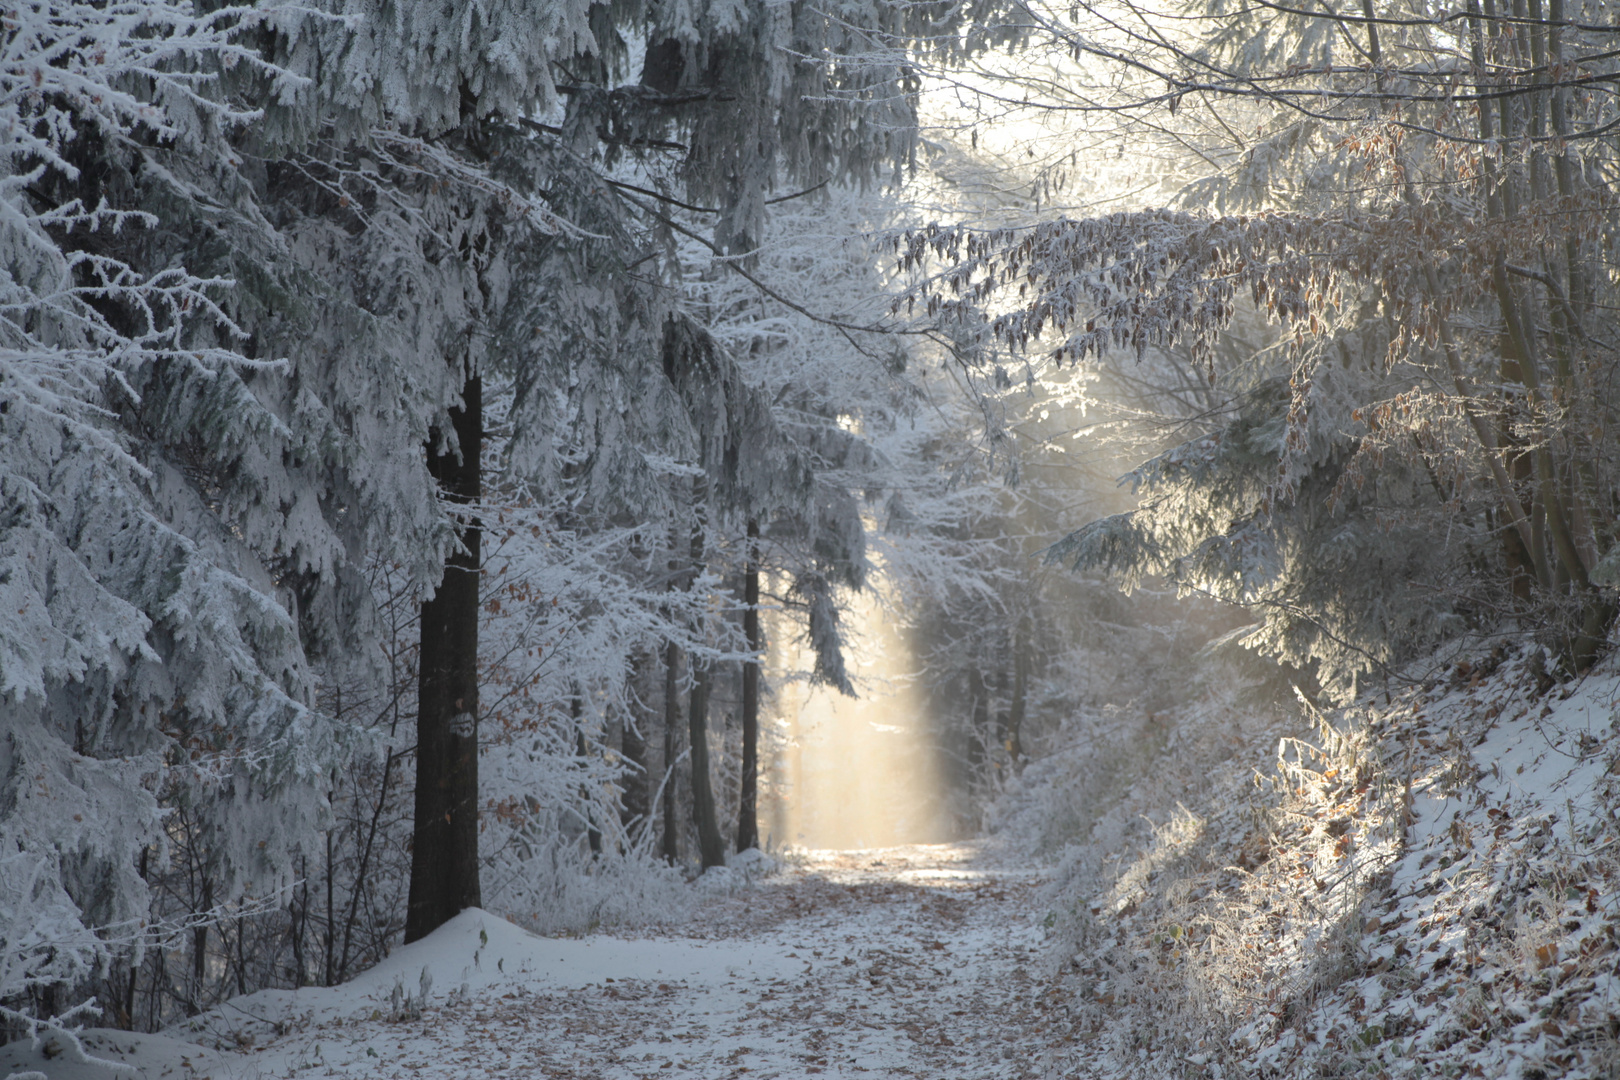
{"x":151,"y":653}
{"x":381,"y":173}
{"x":1438,"y":375}
{"x":216,"y":451}
{"x":433,"y":232}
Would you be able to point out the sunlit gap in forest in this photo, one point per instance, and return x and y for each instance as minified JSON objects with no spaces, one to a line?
{"x":850,"y":772}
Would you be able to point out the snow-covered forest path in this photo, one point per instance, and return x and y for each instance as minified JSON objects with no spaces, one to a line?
{"x":906,"y":961}
{"x":916,"y":961}
{"x":912,"y":961}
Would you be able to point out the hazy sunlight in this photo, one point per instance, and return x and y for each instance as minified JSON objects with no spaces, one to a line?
{"x":849,"y":773}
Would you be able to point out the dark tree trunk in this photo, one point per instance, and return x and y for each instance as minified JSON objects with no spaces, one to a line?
{"x":127,"y":1020}
{"x":593,"y":835}
{"x":1003,"y":701}
{"x":979,"y":725}
{"x":634,"y":807}
{"x":300,"y":927}
{"x":329,"y":974}
{"x":672,"y":719}
{"x":444,"y":842}
{"x":199,"y":956}
{"x":711,"y":847}
{"x":748,"y":803}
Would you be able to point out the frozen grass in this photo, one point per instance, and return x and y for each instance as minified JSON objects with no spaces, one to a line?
{"x":566,"y":889}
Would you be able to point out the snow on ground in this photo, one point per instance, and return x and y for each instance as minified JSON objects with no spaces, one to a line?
{"x":1425,"y":886}
{"x":1428,"y":888}
{"x":907,"y":961}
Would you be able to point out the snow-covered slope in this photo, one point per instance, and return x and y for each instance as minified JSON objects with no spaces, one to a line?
{"x":1428,"y":885}
{"x":103,"y":1054}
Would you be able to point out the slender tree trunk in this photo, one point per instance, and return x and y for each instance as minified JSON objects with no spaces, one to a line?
{"x":711,"y":847}
{"x":135,"y":969}
{"x":199,"y":955}
{"x":300,"y":927}
{"x":593,"y":834}
{"x":1522,"y":332}
{"x":127,"y":1003}
{"x":1003,"y":710}
{"x":633,"y":745}
{"x":444,"y":848}
{"x":748,"y":803}
{"x":329,"y":973}
{"x":241,"y":955}
{"x":979,"y":725}
{"x":672,"y":719}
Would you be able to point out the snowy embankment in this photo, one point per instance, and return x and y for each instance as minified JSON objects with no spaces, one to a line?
{"x":1425,"y":886}
{"x":890,"y":962}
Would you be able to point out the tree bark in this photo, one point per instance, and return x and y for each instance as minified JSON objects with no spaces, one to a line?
{"x":672,"y":717}
{"x":748,"y":803}
{"x":711,"y":848}
{"x":633,"y":745}
{"x":593,"y":834}
{"x":444,"y":842}
{"x":979,"y":724}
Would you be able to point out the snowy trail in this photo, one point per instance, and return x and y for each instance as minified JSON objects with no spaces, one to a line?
{"x":914,"y":961}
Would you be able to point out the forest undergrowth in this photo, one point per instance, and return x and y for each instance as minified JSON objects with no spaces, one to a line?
{"x":1426,"y":883}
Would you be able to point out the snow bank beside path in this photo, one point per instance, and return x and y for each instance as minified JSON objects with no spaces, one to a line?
{"x":150,"y":1057}
{"x":474,"y":958}
{"x":1427,"y":884}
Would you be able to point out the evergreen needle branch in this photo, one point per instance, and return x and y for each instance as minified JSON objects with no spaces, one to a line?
{"x":645,"y":144}
{"x":626,"y":186}
{"x":732,"y":262}
{"x":798,"y":194}
{"x":644,"y":96}
{"x":1297,"y":612}
{"x":651,"y":194}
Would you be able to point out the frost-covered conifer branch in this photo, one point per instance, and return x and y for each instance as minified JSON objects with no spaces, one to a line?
{"x":425,"y":160}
